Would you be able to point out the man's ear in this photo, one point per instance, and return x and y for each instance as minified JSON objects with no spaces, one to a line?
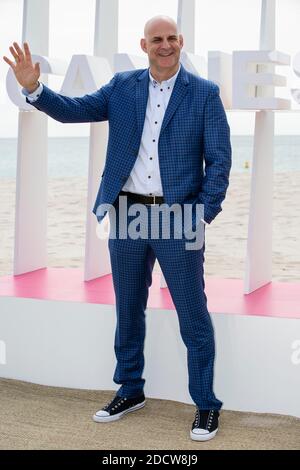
{"x":181,"y":41}
{"x":143,"y":45}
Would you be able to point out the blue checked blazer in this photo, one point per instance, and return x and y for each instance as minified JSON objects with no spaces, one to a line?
{"x":194,"y":144}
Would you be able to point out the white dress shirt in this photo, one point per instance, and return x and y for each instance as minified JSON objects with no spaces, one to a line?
{"x":145,"y":175}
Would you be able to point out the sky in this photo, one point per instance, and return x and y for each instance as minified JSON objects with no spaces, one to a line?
{"x":225,"y":25}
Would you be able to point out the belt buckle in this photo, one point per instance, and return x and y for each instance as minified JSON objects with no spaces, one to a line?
{"x":153,"y":203}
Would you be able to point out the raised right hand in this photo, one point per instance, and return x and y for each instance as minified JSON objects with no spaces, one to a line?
{"x":26,"y":73}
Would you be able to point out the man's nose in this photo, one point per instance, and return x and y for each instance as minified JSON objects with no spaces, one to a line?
{"x":165,"y":44}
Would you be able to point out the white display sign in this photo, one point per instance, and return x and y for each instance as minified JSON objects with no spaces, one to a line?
{"x":237,"y":75}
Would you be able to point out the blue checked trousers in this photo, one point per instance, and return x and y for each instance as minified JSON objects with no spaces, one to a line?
{"x":132,"y":262}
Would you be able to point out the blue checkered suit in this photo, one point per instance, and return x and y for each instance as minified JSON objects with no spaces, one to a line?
{"x":194,"y":128}
{"x":194,"y":132}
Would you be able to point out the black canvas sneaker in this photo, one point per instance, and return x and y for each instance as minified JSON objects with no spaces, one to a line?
{"x":118,"y":407}
{"x":205,"y":425}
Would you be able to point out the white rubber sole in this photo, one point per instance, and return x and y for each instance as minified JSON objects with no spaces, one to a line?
{"x":107,"y":419}
{"x":203,"y":437}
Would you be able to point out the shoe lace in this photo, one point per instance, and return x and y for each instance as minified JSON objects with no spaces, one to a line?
{"x":209,"y":418}
{"x":119,"y":401}
{"x":197,"y":417}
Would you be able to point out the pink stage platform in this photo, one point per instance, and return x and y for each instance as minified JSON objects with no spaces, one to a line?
{"x":277,"y":299}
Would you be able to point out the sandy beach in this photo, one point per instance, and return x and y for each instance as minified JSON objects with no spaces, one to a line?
{"x":225,"y":237}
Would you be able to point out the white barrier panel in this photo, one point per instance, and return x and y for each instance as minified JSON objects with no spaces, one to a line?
{"x":70,"y":344}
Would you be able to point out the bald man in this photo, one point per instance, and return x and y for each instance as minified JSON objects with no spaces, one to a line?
{"x":169,"y":145}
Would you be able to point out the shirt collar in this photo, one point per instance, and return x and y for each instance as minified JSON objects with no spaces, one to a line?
{"x":169,"y":82}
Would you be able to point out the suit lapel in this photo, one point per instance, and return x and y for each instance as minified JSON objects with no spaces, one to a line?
{"x":142,"y":91}
{"x":179,"y":92}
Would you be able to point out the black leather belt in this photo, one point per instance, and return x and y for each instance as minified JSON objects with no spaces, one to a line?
{"x":141,"y":198}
